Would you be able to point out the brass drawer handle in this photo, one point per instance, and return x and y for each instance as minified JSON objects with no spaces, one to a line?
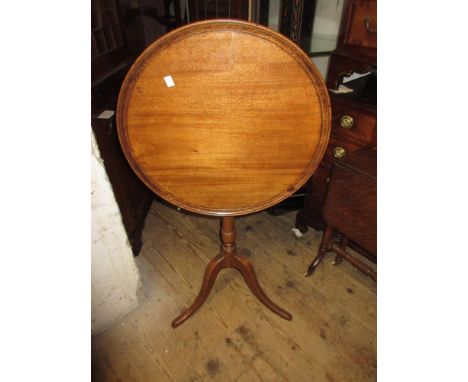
{"x":339,"y":152}
{"x":367,"y":22}
{"x":346,"y":122}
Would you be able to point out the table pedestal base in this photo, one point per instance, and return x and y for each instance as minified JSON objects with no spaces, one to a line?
{"x":229,"y":258}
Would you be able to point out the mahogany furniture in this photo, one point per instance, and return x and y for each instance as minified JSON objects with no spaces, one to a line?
{"x":111,"y":57}
{"x":354,"y":116}
{"x":350,"y":209}
{"x":224,"y":118}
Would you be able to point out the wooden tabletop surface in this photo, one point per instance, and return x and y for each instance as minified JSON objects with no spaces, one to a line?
{"x":223,"y":117}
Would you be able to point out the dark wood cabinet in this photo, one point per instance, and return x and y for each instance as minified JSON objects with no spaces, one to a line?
{"x":108,"y":48}
{"x":359,"y":26}
{"x":354,"y":115}
{"x":111,"y":56}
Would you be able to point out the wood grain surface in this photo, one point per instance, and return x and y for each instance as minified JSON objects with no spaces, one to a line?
{"x":233,"y":337}
{"x":244,"y":126}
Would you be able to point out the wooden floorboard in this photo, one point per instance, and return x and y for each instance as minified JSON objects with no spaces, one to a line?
{"x":233,"y":337}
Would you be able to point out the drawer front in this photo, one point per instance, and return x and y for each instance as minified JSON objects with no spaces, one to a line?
{"x":351,"y":206}
{"x":339,"y":149}
{"x":351,"y":123}
{"x":362,"y":27}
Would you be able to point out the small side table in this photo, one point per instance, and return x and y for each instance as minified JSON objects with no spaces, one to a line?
{"x":350,"y":209}
{"x":224,"y":118}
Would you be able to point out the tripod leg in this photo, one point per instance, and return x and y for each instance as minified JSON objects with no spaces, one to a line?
{"x":323,"y":249}
{"x":229,"y":259}
{"x":211,"y":272}
{"x":247,"y":270}
{"x":343,"y":242}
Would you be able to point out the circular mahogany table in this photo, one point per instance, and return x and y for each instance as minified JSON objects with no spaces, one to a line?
{"x":224,"y":118}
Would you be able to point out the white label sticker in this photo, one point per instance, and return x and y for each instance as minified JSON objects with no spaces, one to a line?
{"x":169,"y":81}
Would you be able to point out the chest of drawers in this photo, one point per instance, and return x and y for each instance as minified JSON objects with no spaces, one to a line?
{"x":354,"y":116}
{"x":350,"y":210}
{"x":354,"y":126}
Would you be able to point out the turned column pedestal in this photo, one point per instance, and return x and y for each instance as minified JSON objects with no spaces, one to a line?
{"x":229,"y":258}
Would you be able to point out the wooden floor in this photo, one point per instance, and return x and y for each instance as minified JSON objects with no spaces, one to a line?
{"x":233,"y":337}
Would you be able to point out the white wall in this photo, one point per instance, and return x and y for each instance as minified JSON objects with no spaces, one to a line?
{"x":326,"y":25}
{"x":114,"y":276}
{"x":321,"y":63}
{"x":273,"y":15}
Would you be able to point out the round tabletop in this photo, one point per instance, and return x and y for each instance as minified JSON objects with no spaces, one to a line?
{"x":223,"y":117}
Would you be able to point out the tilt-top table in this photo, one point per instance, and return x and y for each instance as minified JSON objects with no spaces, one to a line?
{"x":224,"y":118}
